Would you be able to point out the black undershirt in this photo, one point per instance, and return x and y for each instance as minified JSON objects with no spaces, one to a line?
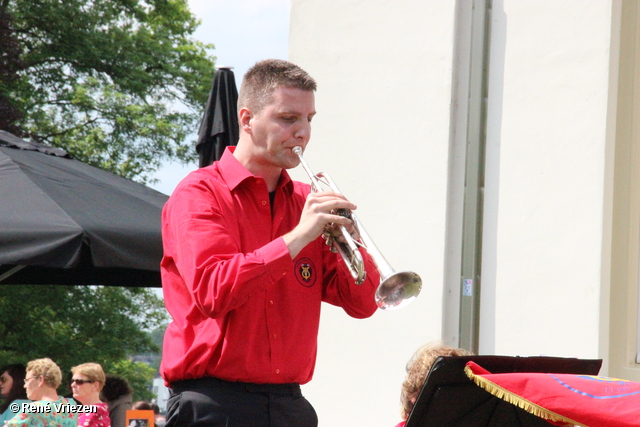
{"x":272,"y":197}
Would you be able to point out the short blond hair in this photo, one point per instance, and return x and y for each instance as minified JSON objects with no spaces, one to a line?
{"x":93,"y":371}
{"x":263,"y":78}
{"x":47,"y":369}
{"x":418,"y":368}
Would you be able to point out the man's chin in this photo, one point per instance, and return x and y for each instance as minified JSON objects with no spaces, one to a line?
{"x":290,"y":162}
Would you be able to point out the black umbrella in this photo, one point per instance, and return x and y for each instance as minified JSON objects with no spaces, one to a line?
{"x":450,"y":399}
{"x":65,"y":222}
{"x":219,"y":126}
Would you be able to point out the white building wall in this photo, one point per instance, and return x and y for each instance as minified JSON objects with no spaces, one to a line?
{"x":383,"y":129}
{"x":547,"y":118}
{"x":384,"y":86}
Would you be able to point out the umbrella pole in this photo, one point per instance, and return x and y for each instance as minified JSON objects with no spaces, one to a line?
{"x":11,"y":272}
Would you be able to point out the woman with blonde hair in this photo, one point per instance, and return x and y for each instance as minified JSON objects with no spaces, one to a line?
{"x":418,"y":368}
{"x":42,"y":380}
{"x":86,"y":383}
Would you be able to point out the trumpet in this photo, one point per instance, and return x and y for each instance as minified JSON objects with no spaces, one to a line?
{"x":396,"y":289}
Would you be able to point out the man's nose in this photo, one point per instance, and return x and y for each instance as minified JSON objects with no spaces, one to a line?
{"x":303,"y":131}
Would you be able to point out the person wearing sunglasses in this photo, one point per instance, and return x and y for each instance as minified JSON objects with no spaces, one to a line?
{"x":86,"y":383}
{"x":42,"y":379}
{"x":12,"y":390}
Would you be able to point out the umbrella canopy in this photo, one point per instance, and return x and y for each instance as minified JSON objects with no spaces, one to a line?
{"x":219,"y":126}
{"x":65,"y":222}
{"x":450,"y":399}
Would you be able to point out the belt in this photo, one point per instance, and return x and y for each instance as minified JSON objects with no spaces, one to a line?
{"x":207,"y":383}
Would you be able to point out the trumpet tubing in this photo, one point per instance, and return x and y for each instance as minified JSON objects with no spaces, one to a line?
{"x":396,"y":289}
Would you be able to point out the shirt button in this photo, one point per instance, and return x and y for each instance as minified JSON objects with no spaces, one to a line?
{"x":277,"y":371}
{"x":275,"y":336}
{"x":264,"y":203}
{"x":284,"y":273}
{"x":270,"y":302}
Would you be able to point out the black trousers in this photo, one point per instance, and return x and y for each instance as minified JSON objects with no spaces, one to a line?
{"x":212,"y":402}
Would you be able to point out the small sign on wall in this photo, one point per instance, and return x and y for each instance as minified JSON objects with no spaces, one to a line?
{"x":467,"y":287}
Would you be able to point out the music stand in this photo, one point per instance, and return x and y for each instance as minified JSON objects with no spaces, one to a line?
{"x":450,"y":399}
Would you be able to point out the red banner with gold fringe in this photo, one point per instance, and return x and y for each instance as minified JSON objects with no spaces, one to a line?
{"x":565,"y":399}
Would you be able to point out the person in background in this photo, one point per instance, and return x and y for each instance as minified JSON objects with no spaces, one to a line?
{"x":418,"y":369}
{"x":119,"y":395}
{"x":246,"y":268}
{"x":12,"y":390}
{"x":68,"y":382}
{"x":160,"y":420}
{"x":42,"y":379}
{"x":86,"y":383}
{"x":142,"y":405}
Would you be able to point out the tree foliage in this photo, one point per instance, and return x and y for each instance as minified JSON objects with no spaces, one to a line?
{"x":138,"y":374}
{"x":119,"y":84}
{"x":79,"y":324}
{"x":10,"y":66}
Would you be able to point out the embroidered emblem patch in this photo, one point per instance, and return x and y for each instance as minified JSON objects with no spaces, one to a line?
{"x":305,"y":272}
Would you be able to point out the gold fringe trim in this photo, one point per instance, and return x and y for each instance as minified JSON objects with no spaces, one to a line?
{"x":516,"y":400}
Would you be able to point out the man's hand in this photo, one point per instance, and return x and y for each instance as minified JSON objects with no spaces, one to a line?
{"x":334,"y":232}
{"x":318,"y":214}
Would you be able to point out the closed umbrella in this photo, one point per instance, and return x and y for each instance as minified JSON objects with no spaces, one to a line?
{"x":219,"y":126}
{"x":65,"y":222}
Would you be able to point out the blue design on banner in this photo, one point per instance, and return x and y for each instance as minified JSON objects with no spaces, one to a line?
{"x":622,"y":386}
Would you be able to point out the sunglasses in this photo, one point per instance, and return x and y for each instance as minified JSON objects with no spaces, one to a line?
{"x":80,"y":382}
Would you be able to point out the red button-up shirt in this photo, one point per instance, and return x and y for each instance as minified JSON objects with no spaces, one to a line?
{"x":242,"y":308}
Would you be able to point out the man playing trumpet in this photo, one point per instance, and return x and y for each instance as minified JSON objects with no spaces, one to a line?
{"x":245,"y":268}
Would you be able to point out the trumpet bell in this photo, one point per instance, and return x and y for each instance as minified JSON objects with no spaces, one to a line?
{"x":398,"y":290}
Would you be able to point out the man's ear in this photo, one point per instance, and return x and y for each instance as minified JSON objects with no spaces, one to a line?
{"x":244,"y":119}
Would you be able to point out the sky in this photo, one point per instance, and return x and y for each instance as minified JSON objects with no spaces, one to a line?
{"x":243,"y":33}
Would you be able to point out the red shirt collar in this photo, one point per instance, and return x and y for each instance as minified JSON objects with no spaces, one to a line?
{"x":234,"y":173}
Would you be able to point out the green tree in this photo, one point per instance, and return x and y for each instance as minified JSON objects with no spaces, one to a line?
{"x":140,"y":377}
{"x":79,"y":324}
{"x":10,"y":66}
{"x":157,"y":337}
{"x":119,"y":84}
